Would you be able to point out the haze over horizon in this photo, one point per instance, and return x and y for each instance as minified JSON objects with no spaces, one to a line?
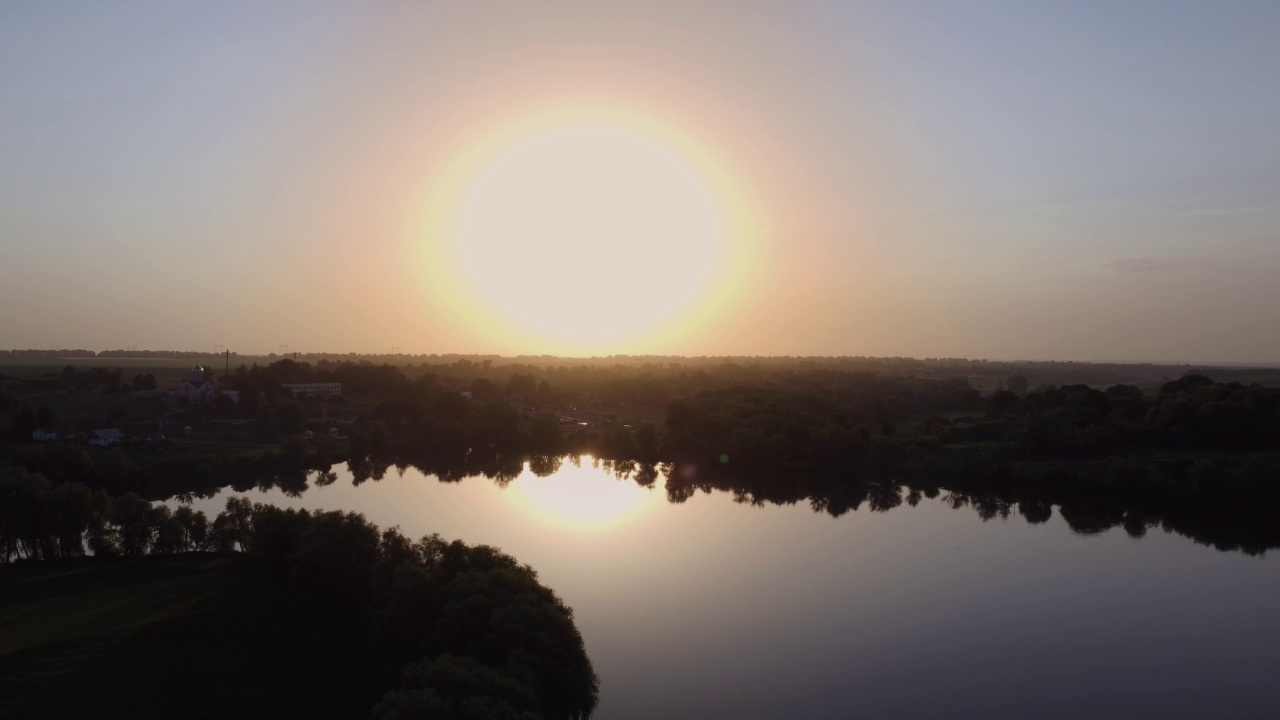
{"x":1006,"y":180}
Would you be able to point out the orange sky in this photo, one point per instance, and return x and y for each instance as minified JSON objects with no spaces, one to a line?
{"x":895,"y":179}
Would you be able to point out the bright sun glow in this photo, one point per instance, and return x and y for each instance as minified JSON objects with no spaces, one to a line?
{"x":585,"y":233}
{"x":577,"y":497}
{"x":588,"y":232}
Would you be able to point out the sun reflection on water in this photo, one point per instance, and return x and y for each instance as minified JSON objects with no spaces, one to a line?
{"x":583,"y":497}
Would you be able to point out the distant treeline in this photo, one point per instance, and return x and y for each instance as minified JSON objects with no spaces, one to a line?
{"x":828,"y":419}
{"x":45,"y":354}
{"x":762,"y":426}
{"x":468,"y":630}
{"x":789,"y":432}
{"x":755,"y":421}
{"x":204,"y":355}
{"x":1096,"y":373}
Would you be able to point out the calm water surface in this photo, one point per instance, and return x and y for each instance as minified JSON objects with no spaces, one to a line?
{"x":712,"y":608}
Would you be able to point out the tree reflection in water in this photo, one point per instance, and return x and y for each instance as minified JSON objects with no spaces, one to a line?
{"x":1219,"y":521}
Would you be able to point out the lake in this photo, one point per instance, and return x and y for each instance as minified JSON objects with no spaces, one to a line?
{"x":716,"y":608}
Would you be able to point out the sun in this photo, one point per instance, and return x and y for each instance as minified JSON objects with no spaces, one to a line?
{"x":586,"y":234}
{"x":582,"y":497}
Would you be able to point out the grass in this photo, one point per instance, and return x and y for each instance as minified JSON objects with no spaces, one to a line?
{"x":192,"y":636}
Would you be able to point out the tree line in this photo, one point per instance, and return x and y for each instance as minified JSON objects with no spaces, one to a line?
{"x":1191,"y":443}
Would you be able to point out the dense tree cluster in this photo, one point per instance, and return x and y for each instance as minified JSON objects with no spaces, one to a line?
{"x":471,"y":631}
{"x":1076,"y":421}
{"x":1188,"y":421}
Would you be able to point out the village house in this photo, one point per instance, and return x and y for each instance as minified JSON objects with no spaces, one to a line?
{"x":45,"y":435}
{"x":103,"y":438}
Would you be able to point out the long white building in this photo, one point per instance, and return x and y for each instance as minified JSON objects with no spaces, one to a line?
{"x":313,"y":389}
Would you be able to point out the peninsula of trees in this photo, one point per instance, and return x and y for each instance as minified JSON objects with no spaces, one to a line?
{"x":440,"y":629}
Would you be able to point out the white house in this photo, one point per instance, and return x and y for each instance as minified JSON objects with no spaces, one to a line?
{"x":103,"y":438}
{"x":44,"y":435}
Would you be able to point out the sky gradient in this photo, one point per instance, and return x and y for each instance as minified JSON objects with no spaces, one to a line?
{"x":1083,"y":181}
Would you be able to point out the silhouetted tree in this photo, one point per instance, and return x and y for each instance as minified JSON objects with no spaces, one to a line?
{"x":448,"y":687}
{"x":133,"y":517}
{"x":1017,"y":384}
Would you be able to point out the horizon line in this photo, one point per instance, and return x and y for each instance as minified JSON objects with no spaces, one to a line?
{"x":151,"y":353}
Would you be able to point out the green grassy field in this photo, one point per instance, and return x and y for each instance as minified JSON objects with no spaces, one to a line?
{"x":191,"y":636}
